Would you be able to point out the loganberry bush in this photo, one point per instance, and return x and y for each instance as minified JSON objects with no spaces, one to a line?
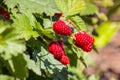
{"x":44,"y":39}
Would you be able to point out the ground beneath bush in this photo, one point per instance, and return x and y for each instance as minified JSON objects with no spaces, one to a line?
{"x":108,"y":60}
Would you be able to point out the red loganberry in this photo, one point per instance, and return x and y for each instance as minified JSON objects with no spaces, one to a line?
{"x":4,"y":13}
{"x":61,"y":28}
{"x":56,"y":49}
{"x":83,"y":38}
{"x":84,"y":41}
{"x":65,"y":60}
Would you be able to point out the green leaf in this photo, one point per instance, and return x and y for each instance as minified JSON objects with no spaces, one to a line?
{"x":33,"y":76}
{"x":3,"y":26}
{"x":47,"y":23}
{"x":48,"y":61}
{"x":90,"y":8}
{"x":19,"y":66}
{"x":49,"y":33}
{"x":83,"y":61}
{"x":46,"y":32}
{"x":74,"y":59}
{"x":70,"y":7}
{"x":39,"y":6}
{"x":6,"y":77}
{"x":32,"y":65}
{"x":79,"y":23}
{"x":24,"y":27}
{"x":77,"y":73}
{"x":31,"y":18}
{"x":10,"y":42}
{"x":62,"y":5}
{"x":62,"y":75}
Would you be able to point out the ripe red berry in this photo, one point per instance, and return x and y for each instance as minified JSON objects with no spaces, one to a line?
{"x":4,"y":13}
{"x":84,"y":41}
{"x":61,"y":28}
{"x":56,"y":49}
{"x":65,"y":60}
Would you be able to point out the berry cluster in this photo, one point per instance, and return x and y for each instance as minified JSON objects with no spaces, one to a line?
{"x":56,"y":48}
{"x":84,"y":41}
{"x":81,"y":39}
{"x":4,"y":13}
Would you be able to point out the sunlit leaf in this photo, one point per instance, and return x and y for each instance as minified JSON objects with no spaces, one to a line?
{"x":90,"y":9}
{"x":10,"y":42}
{"x":32,"y":65}
{"x":79,"y":23}
{"x":70,"y":7}
{"x":49,"y":62}
{"x":39,"y":6}
{"x":23,"y":26}
{"x":6,"y":77}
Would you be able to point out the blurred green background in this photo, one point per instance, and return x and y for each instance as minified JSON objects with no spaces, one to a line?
{"x":106,"y":23}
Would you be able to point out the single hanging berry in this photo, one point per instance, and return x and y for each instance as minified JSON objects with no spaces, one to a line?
{"x":4,"y":13}
{"x":61,"y":28}
{"x":65,"y":60}
{"x":84,"y":41}
{"x":56,"y":49}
